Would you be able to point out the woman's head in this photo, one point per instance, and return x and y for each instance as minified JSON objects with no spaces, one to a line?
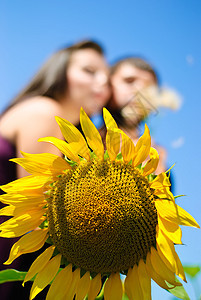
{"x":129,"y":76}
{"x":88,"y":80}
{"x":64,"y":74}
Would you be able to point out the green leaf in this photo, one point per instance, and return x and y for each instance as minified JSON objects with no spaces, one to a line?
{"x":192,"y":270}
{"x":14,"y":275}
{"x":125,"y":297}
{"x":11,"y":275}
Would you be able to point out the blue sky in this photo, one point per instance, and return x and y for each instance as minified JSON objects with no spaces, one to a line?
{"x":167,"y":33}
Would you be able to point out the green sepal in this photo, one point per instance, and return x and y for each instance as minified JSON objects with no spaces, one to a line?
{"x":49,"y":241}
{"x":119,"y":156}
{"x":64,"y":261}
{"x":101,"y":294}
{"x":125,"y":297}
{"x":130,"y":162}
{"x":178,"y":291}
{"x":92,"y":155}
{"x":70,"y":162}
{"x":139,"y":166}
{"x":151,"y":177}
{"x":168,"y":171}
{"x":178,"y":196}
{"x":44,"y":224}
{"x":106,"y":155}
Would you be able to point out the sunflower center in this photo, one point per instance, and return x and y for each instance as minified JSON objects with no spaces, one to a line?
{"x":102,"y":216}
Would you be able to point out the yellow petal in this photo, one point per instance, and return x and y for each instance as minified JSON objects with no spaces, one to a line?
{"x":112,"y":138}
{"x":21,"y":204}
{"x":22,"y":209}
{"x":112,"y":144}
{"x":180,"y":270}
{"x":73,"y":135}
{"x":45,"y":276}
{"x":145,"y":280}
{"x":16,"y":199}
{"x":132,"y":284}
{"x":127,"y":148}
{"x":30,"y":242}
{"x":113,"y":289}
{"x":21,"y":200}
{"x":22,"y":224}
{"x":161,"y":181}
{"x":95,"y":287}
{"x":76,"y":149}
{"x":28,"y":185}
{"x":83,"y":286}
{"x":128,"y":285}
{"x":7,"y":211}
{"x":164,"y":193}
{"x":142,"y":148}
{"x":39,"y":263}
{"x":152,"y":164}
{"x":174,"y":213}
{"x":92,"y":135}
{"x":47,"y":161}
{"x":42,"y":164}
{"x":63,"y":147}
{"x":166,"y":250}
{"x":172,"y":230}
{"x":73,"y":287}
{"x":161,"y":268}
{"x":61,"y":284}
{"x":154,"y":275}
{"x":109,"y":120}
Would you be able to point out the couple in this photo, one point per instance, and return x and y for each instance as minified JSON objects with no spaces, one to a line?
{"x":72,"y":77}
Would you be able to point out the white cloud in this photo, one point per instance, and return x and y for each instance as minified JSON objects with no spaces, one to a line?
{"x":190,"y":59}
{"x":178,"y":143}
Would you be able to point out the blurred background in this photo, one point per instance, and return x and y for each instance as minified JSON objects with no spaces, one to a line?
{"x":166,"y":33}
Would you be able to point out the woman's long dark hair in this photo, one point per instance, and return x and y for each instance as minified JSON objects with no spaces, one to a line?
{"x":50,"y":80}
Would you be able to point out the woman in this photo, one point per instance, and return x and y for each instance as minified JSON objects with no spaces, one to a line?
{"x":72,"y":77}
{"x":132,"y":81}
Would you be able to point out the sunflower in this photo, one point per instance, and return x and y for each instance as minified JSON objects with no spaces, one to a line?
{"x":102,"y":212}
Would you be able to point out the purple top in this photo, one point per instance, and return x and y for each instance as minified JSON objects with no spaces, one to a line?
{"x":7,"y":174}
{"x":12,"y":290}
{"x":7,"y":168}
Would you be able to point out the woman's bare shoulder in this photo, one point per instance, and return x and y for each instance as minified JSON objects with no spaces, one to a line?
{"x":40,"y":104}
{"x":29,"y":113}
